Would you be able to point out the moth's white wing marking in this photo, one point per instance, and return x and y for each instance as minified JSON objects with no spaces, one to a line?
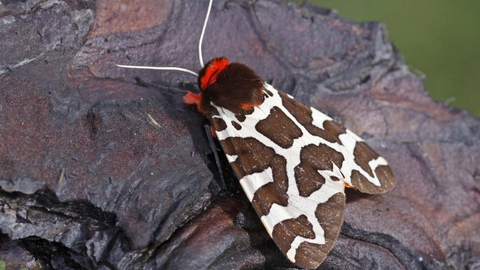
{"x":297,"y":205}
{"x":232,"y":158}
{"x":353,"y":135}
{"x":319,"y":118}
{"x":380,"y":161}
{"x":251,"y":183}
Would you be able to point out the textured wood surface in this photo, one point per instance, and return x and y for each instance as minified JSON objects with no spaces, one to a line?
{"x":88,"y":180}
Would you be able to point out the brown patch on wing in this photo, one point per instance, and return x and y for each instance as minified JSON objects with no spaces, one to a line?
{"x":267,"y":93}
{"x":240,"y":117}
{"x":334,"y":128}
{"x":312,"y":159}
{"x":384,"y":175}
{"x":248,"y":111}
{"x":255,"y":157}
{"x":275,"y":192}
{"x":334,"y":178}
{"x":236,"y":125}
{"x":218,"y":124}
{"x":310,"y":255}
{"x":285,"y":232}
{"x":267,"y":195}
{"x":303,"y":114}
{"x":386,"y":178}
{"x":330,"y":217}
{"x":363,"y":155}
{"x":279,"y":128}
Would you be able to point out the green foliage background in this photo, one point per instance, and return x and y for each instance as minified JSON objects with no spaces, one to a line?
{"x":438,"y":38}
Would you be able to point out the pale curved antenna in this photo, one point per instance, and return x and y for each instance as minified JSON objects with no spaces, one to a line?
{"x":160,"y":68}
{"x":203,"y":32}
{"x":179,"y":68}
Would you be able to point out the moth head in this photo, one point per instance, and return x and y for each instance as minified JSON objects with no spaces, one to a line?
{"x":232,"y":86}
{"x":209,"y":73}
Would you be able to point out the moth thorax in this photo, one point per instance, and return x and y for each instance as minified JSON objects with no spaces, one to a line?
{"x":233,"y":86}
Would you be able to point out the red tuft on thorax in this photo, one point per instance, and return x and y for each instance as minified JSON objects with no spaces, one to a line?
{"x":191,"y":98}
{"x":211,"y":72}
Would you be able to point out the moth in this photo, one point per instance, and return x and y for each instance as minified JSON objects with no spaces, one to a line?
{"x":292,"y":161}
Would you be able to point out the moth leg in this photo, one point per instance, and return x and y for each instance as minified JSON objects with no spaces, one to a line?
{"x":213,"y":146}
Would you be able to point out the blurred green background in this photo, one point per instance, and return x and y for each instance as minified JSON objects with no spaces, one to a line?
{"x":438,"y":38}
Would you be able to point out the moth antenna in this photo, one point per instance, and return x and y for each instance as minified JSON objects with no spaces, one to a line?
{"x":179,"y":68}
{"x":160,"y":68}
{"x":203,"y":32}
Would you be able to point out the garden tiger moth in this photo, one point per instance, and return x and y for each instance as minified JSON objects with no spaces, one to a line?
{"x":292,"y":161}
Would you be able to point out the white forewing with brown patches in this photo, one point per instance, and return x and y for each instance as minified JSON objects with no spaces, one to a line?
{"x":293,"y":163}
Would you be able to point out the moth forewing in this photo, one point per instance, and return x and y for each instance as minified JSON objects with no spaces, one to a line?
{"x":295,"y":180}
